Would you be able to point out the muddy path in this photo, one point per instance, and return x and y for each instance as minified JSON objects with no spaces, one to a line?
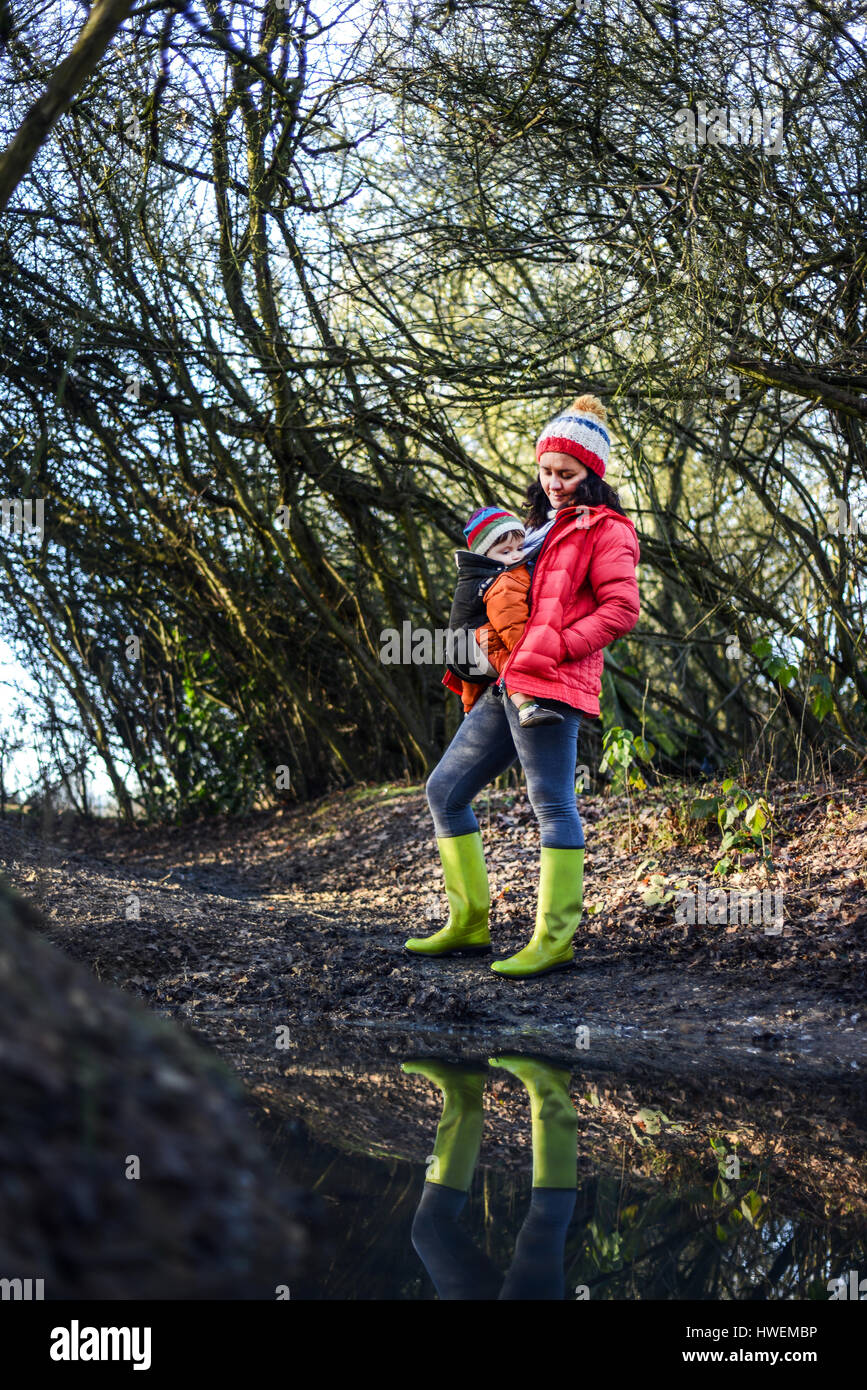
{"x":277,"y":941}
{"x":296,"y":921}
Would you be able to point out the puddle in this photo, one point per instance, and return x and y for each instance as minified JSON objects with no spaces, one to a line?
{"x":614,"y":1181}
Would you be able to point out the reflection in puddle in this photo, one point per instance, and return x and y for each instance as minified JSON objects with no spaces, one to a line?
{"x":513,"y":1178}
{"x":457,"y":1267}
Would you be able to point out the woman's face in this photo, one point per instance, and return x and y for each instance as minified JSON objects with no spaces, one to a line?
{"x":559,"y":475}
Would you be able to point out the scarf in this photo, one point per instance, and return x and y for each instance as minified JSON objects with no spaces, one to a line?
{"x":535,"y":535}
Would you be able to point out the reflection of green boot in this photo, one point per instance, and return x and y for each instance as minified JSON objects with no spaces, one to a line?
{"x":459,"y":1133}
{"x":458,"y":1269}
{"x":555,"y":1123}
{"x":558,"y":912}
{"x":466,"y":932}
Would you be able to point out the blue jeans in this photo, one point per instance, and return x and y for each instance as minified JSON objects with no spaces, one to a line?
{"x":489,"y":740}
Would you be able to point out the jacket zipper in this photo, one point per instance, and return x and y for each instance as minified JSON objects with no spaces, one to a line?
{"x":502,"y":679}
{"x":501,"y":682}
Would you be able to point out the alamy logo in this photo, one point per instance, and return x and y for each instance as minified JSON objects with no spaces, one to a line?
{"x":848,"y":1286}
{"x":75,"y":1343}
{"x":758,"y":126}
{"x":422,"y":646}
{"x":718,"y":906}
{"x":847,"y":522}
{"x":23,"y":1289}
{"x":16,"y":518}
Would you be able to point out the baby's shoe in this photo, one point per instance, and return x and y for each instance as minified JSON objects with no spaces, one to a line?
{"x":530,"y":713}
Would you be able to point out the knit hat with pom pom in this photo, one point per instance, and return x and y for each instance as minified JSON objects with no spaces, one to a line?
{"x":579,"y":431}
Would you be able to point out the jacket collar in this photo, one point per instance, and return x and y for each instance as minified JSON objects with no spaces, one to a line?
{"x":469,"y":562}
{"x":564,"y":522}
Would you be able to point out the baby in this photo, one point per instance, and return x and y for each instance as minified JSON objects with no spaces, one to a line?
{"x":496,"y":543}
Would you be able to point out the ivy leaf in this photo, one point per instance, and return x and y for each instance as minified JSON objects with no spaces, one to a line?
{"x":823,"y":700}
{"x":650,"y":1120}
{"x":751,"y":1206}
{"x":757,"y":816}
{"x":646,"y":864}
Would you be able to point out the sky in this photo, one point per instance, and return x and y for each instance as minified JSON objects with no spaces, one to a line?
{"x":17,"y":688}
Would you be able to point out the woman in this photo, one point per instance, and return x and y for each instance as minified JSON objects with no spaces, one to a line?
{"x":584,"y":594}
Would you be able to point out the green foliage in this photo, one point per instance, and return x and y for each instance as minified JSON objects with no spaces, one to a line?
{"x":777,"y":667}
{"x":749,"y":1208}
{"x":653,"y":1121}
{"x":741,"y":820}
{"x":781,"y":670}
{"x":656,"y":891}
{"x":212,"y":767}
{"x":823,"y":698}
{"x":621,"y":750}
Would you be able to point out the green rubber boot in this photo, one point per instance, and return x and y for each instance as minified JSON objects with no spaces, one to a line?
{"x":466,"y":932}
{"x":554,"y":1121}
{"x":561,"y":899}
{"x":459,"y":1133}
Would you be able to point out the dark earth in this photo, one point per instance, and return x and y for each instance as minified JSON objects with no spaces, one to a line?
{"x":298,"y":918}
{"x":274,"y":945}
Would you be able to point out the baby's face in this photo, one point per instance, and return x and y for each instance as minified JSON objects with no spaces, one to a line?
{"x":508,"y":549}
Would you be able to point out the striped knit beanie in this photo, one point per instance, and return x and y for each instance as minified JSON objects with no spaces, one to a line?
{"x":579,"y":431}
{"x":487,"y":525}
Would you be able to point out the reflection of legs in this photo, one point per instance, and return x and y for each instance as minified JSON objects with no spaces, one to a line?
{"x":459,"y":1133}
{"x":458,"y":1269}
{"x":536,"y":1271}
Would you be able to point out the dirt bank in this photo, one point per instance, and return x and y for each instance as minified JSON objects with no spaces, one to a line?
{"x":297,"y":920}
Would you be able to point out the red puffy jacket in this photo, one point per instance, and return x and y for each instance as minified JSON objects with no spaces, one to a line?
{"x":584,"y":595}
